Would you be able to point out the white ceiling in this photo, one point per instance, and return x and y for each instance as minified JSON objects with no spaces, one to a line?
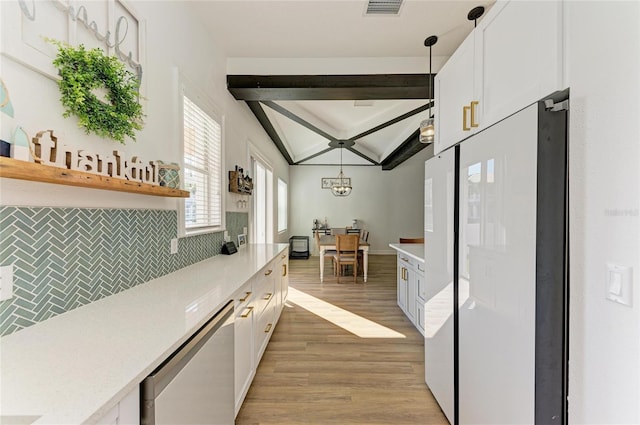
{"x":295,"y":35}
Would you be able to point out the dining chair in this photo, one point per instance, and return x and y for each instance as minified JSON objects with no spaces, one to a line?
{"x":328,"y":253}
{"x":347,"y":253}
{"x":411,"y":240}
{"x":364,"y":235}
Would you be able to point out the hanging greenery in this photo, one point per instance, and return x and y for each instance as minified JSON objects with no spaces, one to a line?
{"x":85,"y":73}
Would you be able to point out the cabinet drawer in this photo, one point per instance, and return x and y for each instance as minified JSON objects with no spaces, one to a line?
{"x":244,"y":296}
{"x":265,"y":324}
{"x":406,"y":261}
{"x":264,"y":289}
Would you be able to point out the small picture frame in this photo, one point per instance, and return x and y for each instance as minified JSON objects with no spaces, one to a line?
{"x":327,"y":182}
{"x":242,"y":240}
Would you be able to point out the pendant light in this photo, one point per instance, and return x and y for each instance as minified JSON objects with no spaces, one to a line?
{"x":427,"y":129}
{"x":341,"y":187}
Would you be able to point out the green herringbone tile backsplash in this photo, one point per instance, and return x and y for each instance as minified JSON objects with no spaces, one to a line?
{"x":64,"y":258}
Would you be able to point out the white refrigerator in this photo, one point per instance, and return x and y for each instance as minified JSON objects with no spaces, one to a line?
{"x":496,"y":250}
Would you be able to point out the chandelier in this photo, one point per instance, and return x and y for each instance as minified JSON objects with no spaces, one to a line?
{"x":341,"y":186}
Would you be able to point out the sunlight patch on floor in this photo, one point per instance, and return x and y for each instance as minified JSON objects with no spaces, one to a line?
{"x":357,"y":325}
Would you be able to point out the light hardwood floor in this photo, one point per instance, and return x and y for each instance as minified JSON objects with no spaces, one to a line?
{"x":342,"y":354}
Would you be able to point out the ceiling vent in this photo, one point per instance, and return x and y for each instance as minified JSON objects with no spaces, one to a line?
{"x":383,"y":7}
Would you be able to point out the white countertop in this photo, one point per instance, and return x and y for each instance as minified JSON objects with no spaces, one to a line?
{"x":75,"y":367}
{"x":414,"y":250}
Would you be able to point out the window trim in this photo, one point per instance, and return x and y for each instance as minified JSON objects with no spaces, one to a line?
{"x":286,"y":209}
{"x":204,"y":102}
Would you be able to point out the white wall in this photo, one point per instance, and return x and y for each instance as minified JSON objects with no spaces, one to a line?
{"x":175,"y":39}
{"x":389,"y":204}
{"x":603,"y":69}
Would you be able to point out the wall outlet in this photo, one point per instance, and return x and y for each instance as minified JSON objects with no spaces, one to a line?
{"x":6,"y":282}
{"x":174,"y":246}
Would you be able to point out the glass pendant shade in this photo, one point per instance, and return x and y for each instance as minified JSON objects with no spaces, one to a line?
{"x":427,"y":131}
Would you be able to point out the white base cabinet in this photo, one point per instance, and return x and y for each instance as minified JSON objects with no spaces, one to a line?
{"x":410,"y":284}
{"x":243,"y":342}
{"x":258,"y":307}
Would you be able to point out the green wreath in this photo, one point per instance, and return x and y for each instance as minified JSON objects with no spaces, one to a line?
{"x":83,"y":71}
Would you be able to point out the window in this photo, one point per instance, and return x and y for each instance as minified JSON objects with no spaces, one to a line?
{"x":282,"y":206}
{"x":202,"y":169}
{"x":262,"y":201}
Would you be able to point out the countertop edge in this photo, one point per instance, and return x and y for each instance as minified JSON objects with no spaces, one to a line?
{"x":222,"y":291}
{"x":415,"y":251}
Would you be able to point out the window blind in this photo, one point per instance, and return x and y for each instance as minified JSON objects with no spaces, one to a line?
{"x":202,"y":168}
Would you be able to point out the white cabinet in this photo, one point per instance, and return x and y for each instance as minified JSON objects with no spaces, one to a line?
{"x":512,"y":59}
{"x":265,"y":308}
{"x":454,"y":92}
{"x":258,"y":305}
{"x":410,"y":282}
{"x":402,"y":287}
{"x":282,"y":281}
{"x":126,"y":412}
{"x":243,"y":342}
{"x":519,"y":48}
{"x":420,"y":297}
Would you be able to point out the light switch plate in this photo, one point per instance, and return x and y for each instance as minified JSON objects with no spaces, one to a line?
{"x":618,"y":284}
{"x":174,"y":246}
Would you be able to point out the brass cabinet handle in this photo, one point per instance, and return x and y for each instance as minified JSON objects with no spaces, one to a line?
{"x":246,"y":297}
{"x":473,"y":113}
{"x":465,"y":127}
{"x":402,"y":277}
{"x":268,"y":328}
{"x":284,"y":270}
{"x":404,"y":259}
{"x":283,"y":256}
{"x":268,"y":272}
{"x":267,"y":296}
{"x":247,"y":312}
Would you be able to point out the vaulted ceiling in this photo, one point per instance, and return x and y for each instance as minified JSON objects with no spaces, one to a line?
{"x":323,"y":74}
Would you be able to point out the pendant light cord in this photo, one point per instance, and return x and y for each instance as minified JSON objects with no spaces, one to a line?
{"x":430,"y":83}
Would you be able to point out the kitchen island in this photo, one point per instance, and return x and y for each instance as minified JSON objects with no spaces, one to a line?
{"x":77,"y":367}
{"x":411,"y":288}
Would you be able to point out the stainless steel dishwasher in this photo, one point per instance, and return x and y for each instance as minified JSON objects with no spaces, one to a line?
{"x":195,"y":384}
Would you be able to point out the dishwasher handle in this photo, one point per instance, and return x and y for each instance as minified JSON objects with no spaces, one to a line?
{"x":158,"y":380}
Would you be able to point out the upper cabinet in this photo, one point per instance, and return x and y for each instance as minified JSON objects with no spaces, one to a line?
{"x":454,"y":92}
{"x":512,"y":59}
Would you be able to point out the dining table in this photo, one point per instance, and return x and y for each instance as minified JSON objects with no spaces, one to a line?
{"x":328,"y":243}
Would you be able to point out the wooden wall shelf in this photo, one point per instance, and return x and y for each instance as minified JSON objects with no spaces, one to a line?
{"x":239,"y":184}
{"x":22,"y":170}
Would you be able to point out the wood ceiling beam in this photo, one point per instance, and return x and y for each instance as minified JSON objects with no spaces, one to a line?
{"x":406,"y":150}
{"x":361,"y":155}
{"x":314,"y":155}
{"x":297,"y":119}
{"x":257,"y":110}
{"x":392,"y":121}
{"x":330,"y":87}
